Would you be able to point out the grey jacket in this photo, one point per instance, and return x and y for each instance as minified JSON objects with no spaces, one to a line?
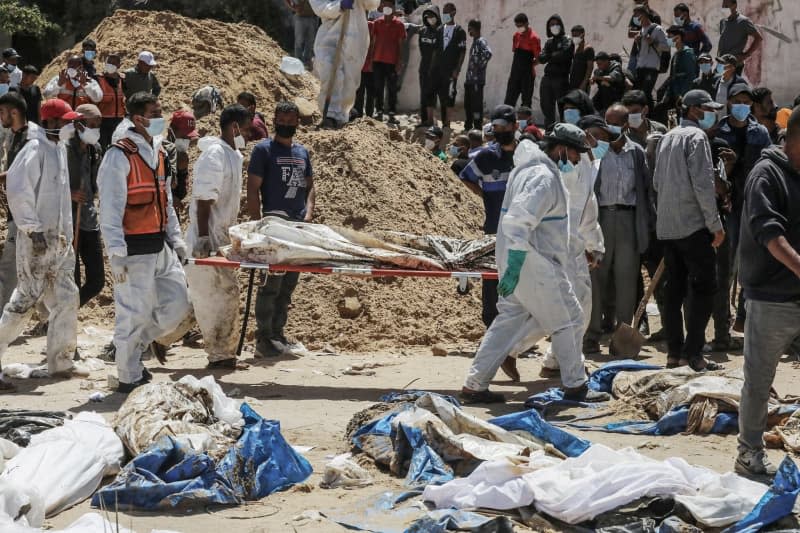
{"x":645,"y":212}
{"x":683,"y":180}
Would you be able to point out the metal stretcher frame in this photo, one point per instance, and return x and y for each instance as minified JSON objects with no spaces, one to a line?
{"x":365,"y":271}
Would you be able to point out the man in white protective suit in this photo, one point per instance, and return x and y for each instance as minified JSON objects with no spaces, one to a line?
{"x":37,"y":185}
{"x":534,"y":262}
{"x":216,"y":191}
{"x":586,"y":247}
{"x":143,"y":239}
{"x":355,"y":43}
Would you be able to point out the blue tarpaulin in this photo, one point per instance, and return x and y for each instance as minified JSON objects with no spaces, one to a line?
{"x":672,"y":423}
{"x":170,"y":475}
{"x":776,"y":503}
{"x":602,"y":378}
{"x":413,"y":395}
{"x":533,"y":423}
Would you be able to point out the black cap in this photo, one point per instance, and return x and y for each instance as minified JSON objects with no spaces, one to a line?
{"x":9,"y":53}
{"x":739,"y":88}
{"x":434,"y":132}
{"x":705,"y":57}
{"x":503,"y":115}
{"x":568,"y":135}
{"x":593,"y":121}
{"x":602,"y":56}
{"x":698,"y":97}
{"x":728,"y":59}
{"x":676,"y":30}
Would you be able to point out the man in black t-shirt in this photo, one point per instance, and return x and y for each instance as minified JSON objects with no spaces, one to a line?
{"x":582,"y":61}
{"x":454,"y":50}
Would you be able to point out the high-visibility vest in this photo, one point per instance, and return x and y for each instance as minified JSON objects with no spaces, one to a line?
{"x":74,"y":96}
{"x":146,"y":206}
{"x":113,"y":103}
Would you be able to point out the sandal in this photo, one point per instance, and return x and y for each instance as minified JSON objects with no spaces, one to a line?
{"x":701,"y":364}
{"x":483,"y":396}
{"x":509,"y":368}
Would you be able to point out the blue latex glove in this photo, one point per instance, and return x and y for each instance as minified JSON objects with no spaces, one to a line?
{"x":516,"y":258}
{"x":347,"y":4}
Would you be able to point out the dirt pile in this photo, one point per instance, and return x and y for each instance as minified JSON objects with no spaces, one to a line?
{"x":192,"y":53}
{"x":368,"y":178}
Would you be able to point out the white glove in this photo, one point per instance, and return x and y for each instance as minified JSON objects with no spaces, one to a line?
{"x":118,"y":269}
{"x":202,"y":248}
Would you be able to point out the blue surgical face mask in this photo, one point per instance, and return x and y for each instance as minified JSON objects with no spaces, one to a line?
{"x":89,"y":55}
{"x":601,"y":149}
{"x":637,"y":21}
{"x":616,"y":130}
{"x":156,"y":126}
{"x":740,"y":111}
{"x":720,"y":68}
{"x":566,"y":166}
{"x":447,"y":18}
{"x":522,"y":124}
{"x":3,"y":88}
{"x":705,"y":68}
{"x":454,"y":150}
{"x":708,"y":120}
{"x":572,"y":116}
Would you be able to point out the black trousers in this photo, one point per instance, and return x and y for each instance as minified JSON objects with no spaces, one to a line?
{"x":520,"y":83}
{"x":365,"y":95}
{"x":473,"y":106}
{"x":107,"y":127}
{"x":272,"y":304}
{"x":551,"y":89}
{"x":489,"y":298}
{"x":646,"y":81}
{"x":90,"y":254}
{"x":385,"y":78}
{"x":690,"y":262}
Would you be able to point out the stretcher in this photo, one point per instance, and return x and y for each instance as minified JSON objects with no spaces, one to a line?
{"x":463,"y":277}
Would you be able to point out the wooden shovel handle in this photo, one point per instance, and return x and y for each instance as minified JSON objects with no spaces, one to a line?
{"x":648,"y":294}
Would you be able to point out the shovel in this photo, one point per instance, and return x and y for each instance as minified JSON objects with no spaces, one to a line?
{"x":627,"y":341}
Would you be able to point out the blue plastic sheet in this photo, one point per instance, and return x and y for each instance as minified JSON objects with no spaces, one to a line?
{"x":530,"y":421}
{"x":776,"y":503}
{"x":602,"y":378}
{"x":426,"y":466}
{"x":672,"y":423}
{"x":169,"y":475}
{"x":443,"y":520}
{"x":413,"y":395}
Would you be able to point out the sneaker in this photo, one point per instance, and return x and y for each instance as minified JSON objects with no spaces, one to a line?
{"x":754,"y":463}
{"x":590,"y":347}
{"x":482,"y":396}
{"x":379,"y":116}
{"x":127,"y":388}
{"x":732,"y":344}
{"x":265,"y":348}
{"x":584,"y":394}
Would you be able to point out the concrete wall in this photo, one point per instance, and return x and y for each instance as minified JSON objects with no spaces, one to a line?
{"x":776,"y":66}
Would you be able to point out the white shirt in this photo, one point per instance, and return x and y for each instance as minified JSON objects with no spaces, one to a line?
{"x":448,"y":31}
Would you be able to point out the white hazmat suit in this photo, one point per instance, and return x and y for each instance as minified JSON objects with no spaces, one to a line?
{"x":214,"y":292}
{"x":152,"y":298}
{"x":585,"y":236}
{"x":39,"y":199}
{"x":535,"y":219}
{"x":354,"y":52}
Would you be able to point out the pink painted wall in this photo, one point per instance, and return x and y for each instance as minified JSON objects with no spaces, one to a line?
{"x":777,"y":65}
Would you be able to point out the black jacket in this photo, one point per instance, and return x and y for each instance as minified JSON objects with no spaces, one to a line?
{"x":558,"y":51}
{"x":707,"y":83}
{"x":430,"y":44}
{"x":772,"y":195}
{"x":451,"y":54}
{"x":607,"y":95}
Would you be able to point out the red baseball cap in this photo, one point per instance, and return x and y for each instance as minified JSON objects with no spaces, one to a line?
{"x":57,"y":108}
{"x":183,"y":125}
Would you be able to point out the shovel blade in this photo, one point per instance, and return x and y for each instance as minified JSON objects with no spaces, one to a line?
{"x":626,"y":342}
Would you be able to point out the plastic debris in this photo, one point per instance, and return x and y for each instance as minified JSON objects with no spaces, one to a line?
{"x":343,"y":472}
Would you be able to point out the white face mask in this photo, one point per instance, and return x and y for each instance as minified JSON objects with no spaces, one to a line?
{"x":90,"y":136}
{"x":679,"y":21}
{"x":110,"y":69}
{"x":182,"y":145}
{"x":239,"y":142}
{"x":387,"y":10}
{"x":555,"y":30}
{"x":66,"y":132}
{"x":72,"y":72}
{"x":577,"y":40}
{"x":635,"y":120}
{"x":429,"y":144}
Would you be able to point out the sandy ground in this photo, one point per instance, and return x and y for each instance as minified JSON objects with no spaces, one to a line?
{"x":314,"y":401}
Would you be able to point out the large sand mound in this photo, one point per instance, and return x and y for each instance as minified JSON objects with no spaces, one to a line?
{"x":192,"y":53}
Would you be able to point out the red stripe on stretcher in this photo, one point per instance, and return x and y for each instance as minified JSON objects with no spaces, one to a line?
{"x":221,"y":262}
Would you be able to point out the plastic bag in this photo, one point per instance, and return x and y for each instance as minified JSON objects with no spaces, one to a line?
{"x":343,"y":472}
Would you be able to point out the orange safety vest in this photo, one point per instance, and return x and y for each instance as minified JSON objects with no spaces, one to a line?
{"x":74,"y":96}
{"x":146,"y":207}
{"x":113,"y":103}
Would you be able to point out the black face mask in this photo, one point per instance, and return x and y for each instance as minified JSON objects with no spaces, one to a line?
{"x":504,"y":138}
{"x":286,"y":132}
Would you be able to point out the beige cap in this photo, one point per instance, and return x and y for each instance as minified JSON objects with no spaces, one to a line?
{"x":89,"y":111}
